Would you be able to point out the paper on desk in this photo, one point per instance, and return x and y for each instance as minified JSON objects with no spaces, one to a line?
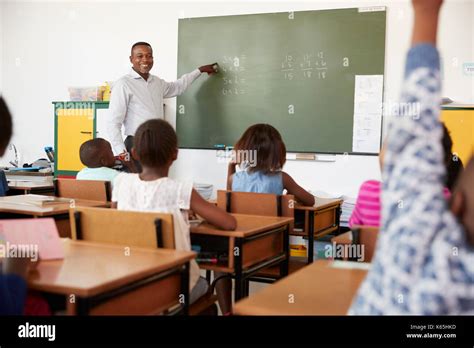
{"x":367,"y":126}
{"x":323,"y":194}
{"x":350,"y":265}
{"x":42,"y":234}
{"x":32,"y":200}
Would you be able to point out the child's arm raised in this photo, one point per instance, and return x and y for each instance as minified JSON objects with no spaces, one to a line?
{"x":426,"y":21}
{"x":421,"y":246}
{"x":294,"y":189}
{"x":211,"y":213}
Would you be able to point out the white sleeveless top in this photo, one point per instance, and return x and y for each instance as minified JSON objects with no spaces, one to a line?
{"x":163,"y":195}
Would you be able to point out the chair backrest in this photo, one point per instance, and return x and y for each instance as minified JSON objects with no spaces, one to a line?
{"x":367,"y":237}
{"x":251,"y":203}
{"x":139,"y":229}
{"x":93,"y":190}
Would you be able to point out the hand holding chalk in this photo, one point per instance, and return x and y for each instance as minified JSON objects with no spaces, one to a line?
{"x":209,"y":69}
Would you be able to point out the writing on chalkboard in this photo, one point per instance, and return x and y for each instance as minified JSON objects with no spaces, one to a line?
{"x":234,"y":68}
{"x":307,"y":65}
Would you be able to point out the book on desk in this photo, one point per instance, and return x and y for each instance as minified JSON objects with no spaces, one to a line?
{"x":36,"y":200}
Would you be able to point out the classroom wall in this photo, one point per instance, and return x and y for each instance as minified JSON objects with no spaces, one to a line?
{"x":49,"y":46}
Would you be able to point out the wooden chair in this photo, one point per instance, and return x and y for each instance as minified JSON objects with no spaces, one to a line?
{"x":93,"y":190}
{"x":139,"y":229}
{"x":259,"y":204}
{"x":366,"y":236}
{"x":245,"y":203}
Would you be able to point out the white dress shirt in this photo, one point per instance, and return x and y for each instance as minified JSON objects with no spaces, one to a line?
{"x":135,"y":100}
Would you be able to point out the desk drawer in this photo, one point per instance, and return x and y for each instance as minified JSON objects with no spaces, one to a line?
{"x":324,"y":219}
{"x":260,"y":249}
{"x":150,"y":299}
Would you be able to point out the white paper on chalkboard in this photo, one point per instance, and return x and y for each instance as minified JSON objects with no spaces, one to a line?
{"x":367,"y":113}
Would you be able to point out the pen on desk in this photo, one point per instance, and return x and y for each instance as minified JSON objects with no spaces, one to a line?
{"x":210,"y":260}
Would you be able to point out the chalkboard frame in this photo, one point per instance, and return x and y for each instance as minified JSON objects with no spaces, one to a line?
{"x":351,"y":153}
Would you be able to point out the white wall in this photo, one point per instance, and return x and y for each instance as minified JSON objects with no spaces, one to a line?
{"x":50,"y":46}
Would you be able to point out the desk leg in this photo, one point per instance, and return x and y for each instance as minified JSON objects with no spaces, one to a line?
{"x":239,"y":282}
{"x":64,"y":225}
{"x":185,"y":287}
{"x":284,"y":266}
{"x":82,"y":306}
{"x":338,"y":219}
{"x":310,"y":237}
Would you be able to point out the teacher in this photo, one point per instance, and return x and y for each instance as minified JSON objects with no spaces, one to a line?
{"x":138,"y":96}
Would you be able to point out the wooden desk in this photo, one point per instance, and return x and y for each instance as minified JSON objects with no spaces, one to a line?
{"x":26,"y":187}
{"x":319,"y":220}
{"x":11,"y":209}
{"x":104,"y":281}
{"x":257,"y":243}
{"x":317,"y":289}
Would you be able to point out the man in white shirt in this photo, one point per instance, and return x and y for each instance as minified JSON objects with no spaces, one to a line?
{"x":138,"y":96}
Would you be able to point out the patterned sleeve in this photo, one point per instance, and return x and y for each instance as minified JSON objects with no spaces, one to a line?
{"x":413,"y":176}
{"x":423,"y":264}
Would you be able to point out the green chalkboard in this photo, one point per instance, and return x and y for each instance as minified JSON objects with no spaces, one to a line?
{"x":293,"y":70}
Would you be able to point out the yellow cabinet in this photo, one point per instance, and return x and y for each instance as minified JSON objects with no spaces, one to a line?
{"x":460,"y":123}
{"x":75,"y":123}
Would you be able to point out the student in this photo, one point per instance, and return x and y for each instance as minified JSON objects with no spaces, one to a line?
{"x":261,"y":153}
{"x":424,"y":261}
{"x":156,"y":147}
{"x":454,"y":165}
{"x":368,"y":206}
{"x":455,"y":169}
{"x":96,"y":154}
{"x":367,"y":209}
{"x":14,"y":270}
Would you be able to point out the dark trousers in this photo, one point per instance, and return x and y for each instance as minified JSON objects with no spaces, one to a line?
{"x":128,"y":145}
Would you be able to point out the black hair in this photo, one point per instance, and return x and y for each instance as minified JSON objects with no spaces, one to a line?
{"x":155,"y":143}
{"x":268,"y":144}
{"x":91,"y":151}
{"x":140,"y":43}
{"x":6,"y":126}
{"x":453,"y":164}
